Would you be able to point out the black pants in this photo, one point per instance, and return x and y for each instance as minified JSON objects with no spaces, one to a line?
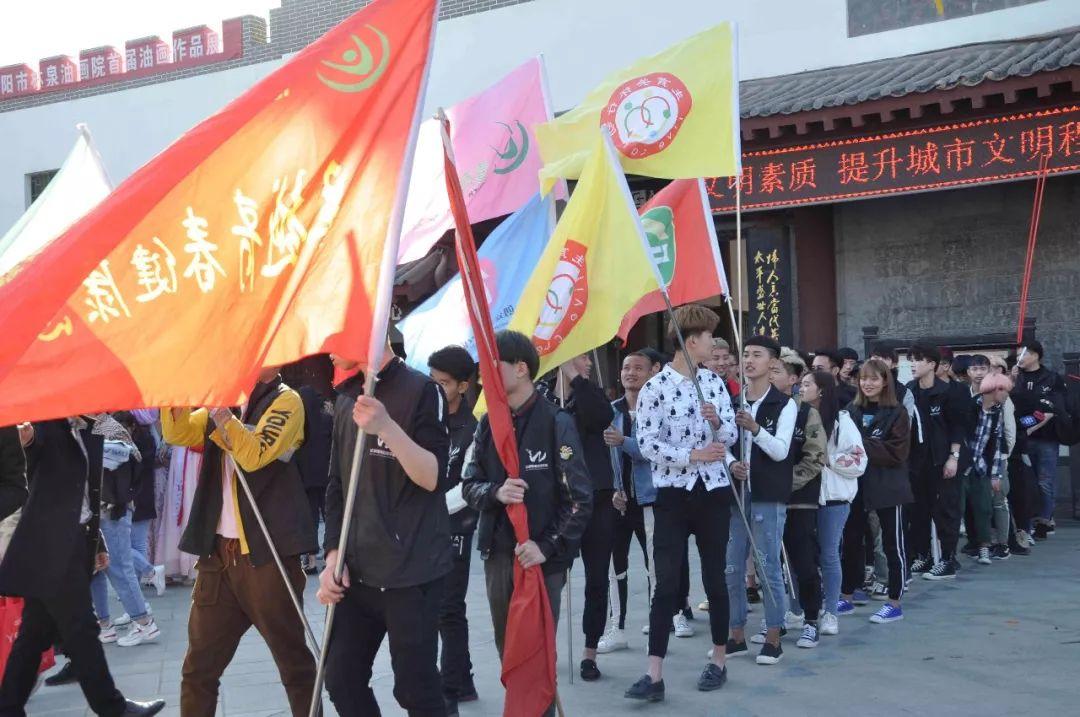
{"x":627,"y":527}
{"x":801,"y":541}
{"x":678,"y":514}
{"x":596,"y":546}
{"x":936,"y":498}
{"x":1023,"y":491}
{"x":317,"y":502}
{"x":456,"y":663}
{"x":852,"y":551}
{"x":68,"y":615}
{"x":410,"y":618}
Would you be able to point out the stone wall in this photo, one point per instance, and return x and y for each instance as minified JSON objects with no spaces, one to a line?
{"x":950,"y":263}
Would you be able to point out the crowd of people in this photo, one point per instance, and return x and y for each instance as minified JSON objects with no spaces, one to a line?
{"x":813,"y":484}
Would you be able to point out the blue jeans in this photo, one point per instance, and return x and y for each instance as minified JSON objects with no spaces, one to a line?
{"x":1044,"y":460}
{"x":121,"y":572}
{"x":767,"y":521}
{"x":830,"y":522}
{"x":140,"y":548}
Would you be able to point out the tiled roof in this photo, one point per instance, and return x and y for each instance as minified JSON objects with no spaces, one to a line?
{"x":967,"y":65}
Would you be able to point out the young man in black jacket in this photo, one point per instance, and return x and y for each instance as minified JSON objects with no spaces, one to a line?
{"x":398,"y":550}
{"x":831,"y":361}
{"x":53,"y":552}
{"x":1039,"y":396}
{"x":593,"y":414}
{"x":452,"y":368}
{"x":768,"y":423}
{"x":937,"y":433}
{"x":554,"y":486}
{"x":12,"y":481}
{"x":239,"y":586}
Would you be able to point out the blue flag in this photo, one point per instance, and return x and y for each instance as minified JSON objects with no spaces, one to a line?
{"x":507,"y":260}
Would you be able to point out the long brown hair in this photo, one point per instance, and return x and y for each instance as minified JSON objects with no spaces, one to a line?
{"x":877,"y":367}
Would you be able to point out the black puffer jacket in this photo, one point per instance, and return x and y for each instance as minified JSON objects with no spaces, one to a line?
{"x":12,"y":472}
{"x":592,"y":414}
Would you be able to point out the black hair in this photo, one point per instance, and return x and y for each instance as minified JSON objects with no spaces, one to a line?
{"x":807,"y":358}
{"x":1034,"y":347}
{"x":833,"y":356}
{"x":453,"y":360}
{"x":848,"y":354}
{"x":926,"y":352}
{"x":885,"y":350}
{"x":979,"y":360}
{"x":654,"y":356}
{"x":961,"y":363}
{"x":641,"y":354}
{"x":515,"y":347}
{"x":829,"y":407}
{"x":765,"y":342}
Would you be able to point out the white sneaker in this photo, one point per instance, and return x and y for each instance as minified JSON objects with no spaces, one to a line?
{"x":138,"y":634}
{"x":793,"y":621}
{"x":645,"y":629}
{"x":158,"y":581}
{"x":984,"y":556}
{"x":682,"y":626}
{"x":613,"y":639}
{"x":828,"y":624}
{"x":124,"y":619}
{"x":108,"y":634}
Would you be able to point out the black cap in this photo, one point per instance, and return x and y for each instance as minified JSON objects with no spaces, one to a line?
{"x":848,"y":354}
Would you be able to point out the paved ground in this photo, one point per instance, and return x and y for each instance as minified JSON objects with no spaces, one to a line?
{"x":1003,"y":639}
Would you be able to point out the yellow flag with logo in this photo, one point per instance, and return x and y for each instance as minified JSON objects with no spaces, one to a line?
{"x":595,"y":268}
{"x":673,"y":115}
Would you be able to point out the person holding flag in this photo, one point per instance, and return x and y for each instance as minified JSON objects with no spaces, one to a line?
{"x":687,"y":440}
{"x":399,"y":553}
{"x":239,"y":585}
{"x":554,"y":487}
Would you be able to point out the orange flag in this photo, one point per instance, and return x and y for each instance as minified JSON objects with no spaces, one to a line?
{"x":679,"y":227}
{"x":255,"y":239}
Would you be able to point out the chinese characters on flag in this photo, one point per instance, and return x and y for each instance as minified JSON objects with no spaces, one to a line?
{"x":989,"y":150}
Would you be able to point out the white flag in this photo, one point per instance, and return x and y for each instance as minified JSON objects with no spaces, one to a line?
{"x":78,"y":187}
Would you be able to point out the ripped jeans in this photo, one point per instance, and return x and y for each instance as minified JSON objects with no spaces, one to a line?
{"x":767,"y":521}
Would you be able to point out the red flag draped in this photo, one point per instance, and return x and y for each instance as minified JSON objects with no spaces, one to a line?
{"x":528,"y":663}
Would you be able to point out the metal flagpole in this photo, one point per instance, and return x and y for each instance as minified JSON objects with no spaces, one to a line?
{"x":569,"y":605}
{"x":378,"y":341}
{"x":277,"y":559}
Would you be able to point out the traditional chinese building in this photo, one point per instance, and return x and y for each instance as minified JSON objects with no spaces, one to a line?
{"x":893,"y":199}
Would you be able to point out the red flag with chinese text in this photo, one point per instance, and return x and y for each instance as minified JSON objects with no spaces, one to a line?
{"x":679,"y":227}
{"x":528,"y":660}
{"x":255,"y":239}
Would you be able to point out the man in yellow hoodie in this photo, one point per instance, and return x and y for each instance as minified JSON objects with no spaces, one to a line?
{"x":238,"y":585}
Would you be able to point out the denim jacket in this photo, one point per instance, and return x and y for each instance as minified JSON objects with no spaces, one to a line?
{"x":642,"y":468}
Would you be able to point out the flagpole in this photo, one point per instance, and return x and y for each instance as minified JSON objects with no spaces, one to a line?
{"x":277,"y":559}
{"x":560,"y":388}
{"x":377,"y":345}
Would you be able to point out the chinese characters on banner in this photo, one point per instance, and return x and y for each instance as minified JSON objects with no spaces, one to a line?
{"x":769,"y":260}
{"x":197,"y":258}
{"x":17,"y":80}
{"x":100,"y":63}
{"x":146,"y":54}
{"x":996,"y":149}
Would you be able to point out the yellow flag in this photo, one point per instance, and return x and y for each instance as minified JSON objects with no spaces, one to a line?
{"x":674,"y":115}
{"x":595,"y":268}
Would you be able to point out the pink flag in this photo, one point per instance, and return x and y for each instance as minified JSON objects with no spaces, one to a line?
{"x":497,"y":159}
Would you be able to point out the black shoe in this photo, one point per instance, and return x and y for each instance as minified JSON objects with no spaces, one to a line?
{"x":1000,"y":552}
{"x":770,"y":654}
{"x":646,"y":690}
{"x":143,"y":709}
{"x":1016,"y":549}
{"x":1042,"y":531}
{"x":753,"y":596}
{"x":712,"y":678}
{"x":65,"y":676}
{"x":451,"y":706}
{"x":944,"y":570}
{"x":589,"y":671}
{"x":734,"y":649}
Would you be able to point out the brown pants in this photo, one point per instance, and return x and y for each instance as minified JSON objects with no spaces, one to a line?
{"x":230,"y":596}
